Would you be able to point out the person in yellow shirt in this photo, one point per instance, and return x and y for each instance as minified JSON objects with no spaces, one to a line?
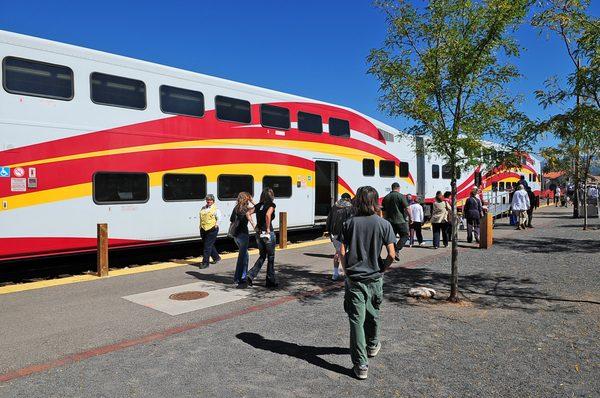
{"x":209,"y":229}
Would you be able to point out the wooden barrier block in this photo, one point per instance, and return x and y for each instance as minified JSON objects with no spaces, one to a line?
{"x":282,"y":230}
{"x":102,"y":250}
{"x":486,"y":236}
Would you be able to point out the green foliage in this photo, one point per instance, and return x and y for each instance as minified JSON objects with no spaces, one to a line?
{"x":442,"y":67}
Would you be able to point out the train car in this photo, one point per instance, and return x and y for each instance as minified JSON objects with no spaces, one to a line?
{"x":88,"y":137}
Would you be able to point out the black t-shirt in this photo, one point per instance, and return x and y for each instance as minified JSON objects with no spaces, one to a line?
{"x":261,"y":216}
{"x":242,"y":227}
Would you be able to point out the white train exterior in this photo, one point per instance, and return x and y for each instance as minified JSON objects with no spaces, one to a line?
{"x":88,"y":137}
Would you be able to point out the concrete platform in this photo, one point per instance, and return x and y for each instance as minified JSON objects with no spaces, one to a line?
{"x":95,"y":339}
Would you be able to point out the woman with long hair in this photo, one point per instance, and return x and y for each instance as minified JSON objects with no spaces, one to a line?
{"x":241,"y":216}
{"x":265,"y":238}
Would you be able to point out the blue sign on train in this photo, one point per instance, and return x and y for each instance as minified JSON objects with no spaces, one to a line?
{"x":4,"y":171}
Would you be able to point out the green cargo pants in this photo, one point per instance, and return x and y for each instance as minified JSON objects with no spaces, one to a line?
{"x":361,"y":302}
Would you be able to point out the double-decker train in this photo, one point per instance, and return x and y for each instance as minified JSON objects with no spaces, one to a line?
{"x":88,"y":137}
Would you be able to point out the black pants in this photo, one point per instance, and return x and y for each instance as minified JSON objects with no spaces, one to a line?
{"x":209,"y":238}
{"x":437,"y":229}
{"x":529,"y":216}
{"x":415,"y":229}
{"x":402,"y":231}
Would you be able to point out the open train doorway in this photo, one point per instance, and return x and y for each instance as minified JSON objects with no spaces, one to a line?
{"x":326,"y":182}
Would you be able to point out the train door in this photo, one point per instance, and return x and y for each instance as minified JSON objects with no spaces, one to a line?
{"x":326,"y":182}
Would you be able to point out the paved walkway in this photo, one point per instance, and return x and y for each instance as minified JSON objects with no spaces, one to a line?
{"x":528,"y":327}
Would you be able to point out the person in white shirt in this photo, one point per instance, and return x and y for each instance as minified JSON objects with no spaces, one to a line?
{"x":556,"y":196}
{"x":592,"y":195}
{"x":520,"y":205}
{"x":415,"y":210}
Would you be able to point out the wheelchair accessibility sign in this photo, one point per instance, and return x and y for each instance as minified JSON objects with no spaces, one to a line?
{"x":4,"y":171}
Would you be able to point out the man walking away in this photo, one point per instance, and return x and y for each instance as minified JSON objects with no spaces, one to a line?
{"x":523,"y":182}
{"x":339,"y":213}
{"x":520,"y":205}
{"x":556,"y":196}
{"x":473,"y":213}
{"x":362,"y":239}
{"x":395,"y":207}
{"x":532,"y":205}
{"x":416,"y":222}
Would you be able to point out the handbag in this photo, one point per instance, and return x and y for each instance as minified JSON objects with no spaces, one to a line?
{"x":233,"y":227}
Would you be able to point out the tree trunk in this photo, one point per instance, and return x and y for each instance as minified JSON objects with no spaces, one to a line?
{"x":576,"y":182}
{"x":454,"y":262}
{"x":586,"y":173}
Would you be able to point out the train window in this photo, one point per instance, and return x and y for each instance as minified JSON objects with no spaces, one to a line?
{"x":181,"y":187}
{"x":180,"y":101}
{"x":368,"y":167}
{"x":118,"y":91}
{"x":233,"y":109}
{"x":274,"y":116}
{"x":404,"y":169}
{"x":38,"y":79}
{"x":310,"y":123}
{"x":477,"y":178}
{"x":120,"y":187}
{"x":387,"y":168}
{"x":435,"y":171}
{"x":339,"y":127}
{"x":494,"y":186}
{"x":446,"y":172}
{"x":230,"y":185}
{"x":281,"y":185}
{"x":501,"y":186}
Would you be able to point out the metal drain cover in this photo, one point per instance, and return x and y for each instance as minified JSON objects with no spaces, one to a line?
{"x":191,"y":295}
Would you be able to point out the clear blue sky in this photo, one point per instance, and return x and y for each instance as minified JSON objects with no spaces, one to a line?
{"x":311,"y":48}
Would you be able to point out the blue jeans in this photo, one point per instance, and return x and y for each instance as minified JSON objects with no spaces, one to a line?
{"x":241,"y":269}
{"x":266,"y":251}
{"x":210,"y":237}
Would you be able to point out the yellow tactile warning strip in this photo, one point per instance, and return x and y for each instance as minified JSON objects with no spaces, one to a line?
{"x":130,"y":271}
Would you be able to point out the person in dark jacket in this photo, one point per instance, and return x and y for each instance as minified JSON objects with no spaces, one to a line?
{"x":532,"y":205}
{"x":395,"y":207}
{"x":473,"y":212}
{"x":265,"y":239}
{"x":339,"y":213}
{"x":523,"y":182}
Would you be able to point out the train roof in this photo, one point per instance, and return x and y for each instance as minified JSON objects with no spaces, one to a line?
{"x":37,"y":43}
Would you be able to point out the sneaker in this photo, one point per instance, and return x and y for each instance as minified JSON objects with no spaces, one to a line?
{"x":335,"y":276}
{"x":242,"y":285}
{"x":203,"y":265}
{"x":373,"y":351}
{"x":249,"y":281}
{"x":422,"y":244}
{"x":216,"y":261}
{"x":361,"y":371}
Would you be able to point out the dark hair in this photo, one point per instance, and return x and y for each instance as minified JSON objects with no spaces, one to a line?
{"x":267,"y":196}
{"x":447,"y":194}
{"x":366,"y":201}
{"x":395,"y":185}
{"x":522,"y":177}
{"x":346,"y":196}
{"x":437,"y":196}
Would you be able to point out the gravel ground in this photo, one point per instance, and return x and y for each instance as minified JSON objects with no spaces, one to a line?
{"x":527,"y":326}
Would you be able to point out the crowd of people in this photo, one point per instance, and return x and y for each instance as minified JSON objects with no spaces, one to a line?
{"x":359,"y":228}
{"x":565,"y":195}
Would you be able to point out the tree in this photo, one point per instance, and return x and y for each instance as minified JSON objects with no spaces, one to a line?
{"x":441,"y":67}
{"x":578,"y":127}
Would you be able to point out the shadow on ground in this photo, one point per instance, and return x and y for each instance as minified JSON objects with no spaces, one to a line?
{"x":550,"y":245}
{"x":306,"y":353}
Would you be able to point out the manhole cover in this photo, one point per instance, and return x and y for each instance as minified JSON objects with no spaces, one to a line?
{"x":193,"y":295}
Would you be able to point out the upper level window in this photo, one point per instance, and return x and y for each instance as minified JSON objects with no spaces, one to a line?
{"x":310,"y":122}
{"x":118,"y":91}
{"x":501,"y":186}
{"x":339,"y":127}
{"x":230,"y":185}
{"x":180,"y":187}
{"x":180,"y":101}
{"x":281,"y":185}
{"x":446,"y":172}
{"x":435,"y":171}
{"x":38,"y":79}
{"x":232,"y":109}
{"x":274,"y":116}
{"x":120,"y":187}
{"x":404,"y":169}
{"x":368,"y":166}
{"x":387,"y":168}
